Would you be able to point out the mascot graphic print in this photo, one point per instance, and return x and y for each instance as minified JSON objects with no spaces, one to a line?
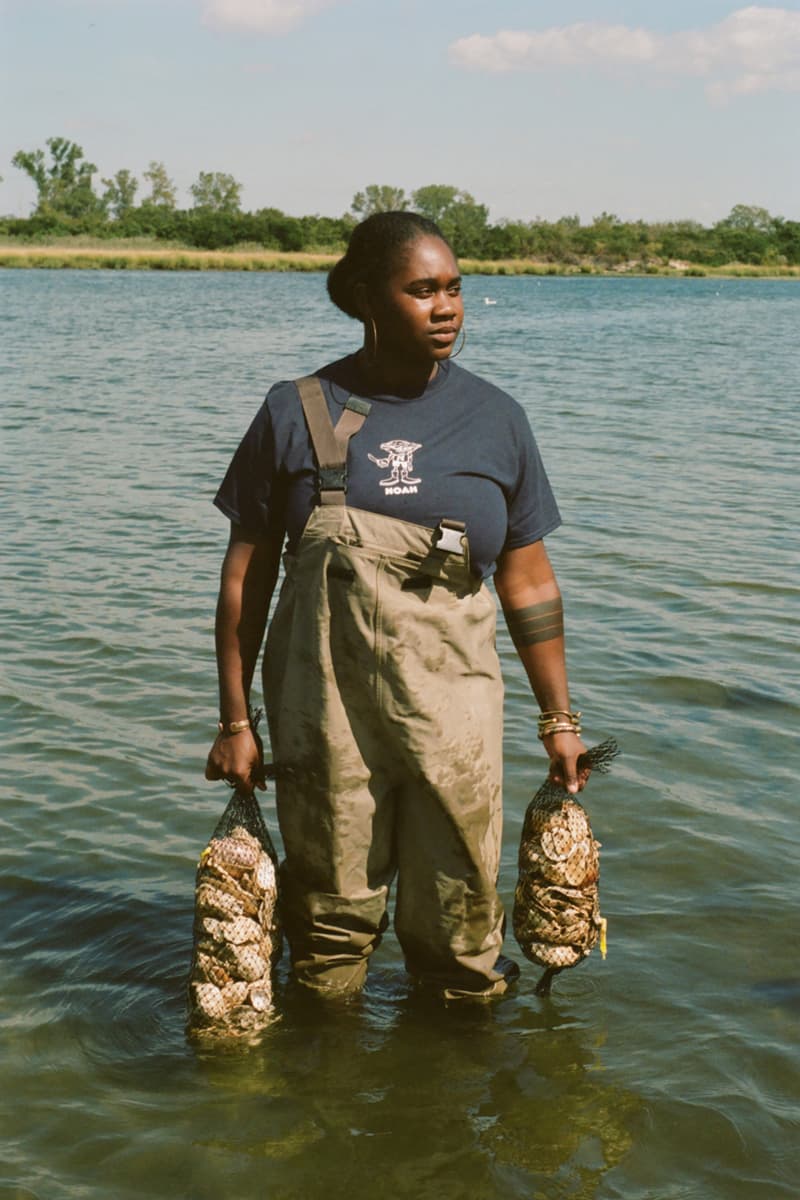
{"x":400,"y":461}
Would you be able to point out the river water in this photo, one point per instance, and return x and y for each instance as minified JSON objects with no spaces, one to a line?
{"x":666,"y":414}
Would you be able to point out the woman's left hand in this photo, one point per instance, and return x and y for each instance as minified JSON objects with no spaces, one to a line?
{"x":564,"y":750}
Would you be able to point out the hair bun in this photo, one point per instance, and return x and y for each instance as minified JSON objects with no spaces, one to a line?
{"x":341,"y":287}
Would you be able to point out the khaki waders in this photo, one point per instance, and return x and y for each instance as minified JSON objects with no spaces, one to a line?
{"x":384,"y":699}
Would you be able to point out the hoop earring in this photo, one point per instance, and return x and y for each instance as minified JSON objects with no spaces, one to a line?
{"x":463,"y":343}
{"x":371,"y":351}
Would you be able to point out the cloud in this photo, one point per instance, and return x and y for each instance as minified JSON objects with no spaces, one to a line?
{"x":571,"y":46}
{"x":260,"y":16}
{"x":754,"y":49}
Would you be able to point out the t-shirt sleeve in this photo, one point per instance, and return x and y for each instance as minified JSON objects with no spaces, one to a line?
{"x":532,"y":508}
{"x":250,"y":494}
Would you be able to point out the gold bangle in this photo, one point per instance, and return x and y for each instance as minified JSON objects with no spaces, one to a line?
{"x":233,"y":726}
{"x":558,"y":712}
{"x":543,"y":733}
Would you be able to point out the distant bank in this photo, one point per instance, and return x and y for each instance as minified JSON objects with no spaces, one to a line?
{"x":127,"y":256}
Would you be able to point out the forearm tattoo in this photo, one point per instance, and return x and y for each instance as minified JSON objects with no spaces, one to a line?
{"x":536,"y":623}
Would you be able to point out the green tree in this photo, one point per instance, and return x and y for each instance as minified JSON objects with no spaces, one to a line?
{"x":683,"y":240}
{"x":466,"y":227}
{"x":749,"y":218}
{"x":379,"y":198}
{"x":747,"y":234}
{"x":787,"y":239}
{"x":215,"y":191}
{"x":120,"y":193}
{"x":435,"y":200}
{"x":163,"y":192}
{"x":463,"y":222}
{"x":64,"y":185}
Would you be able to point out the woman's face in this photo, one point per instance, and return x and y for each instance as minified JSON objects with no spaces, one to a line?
{"x":419,"y":311}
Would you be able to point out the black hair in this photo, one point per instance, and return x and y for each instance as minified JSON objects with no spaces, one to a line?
{"x":370,"y":252}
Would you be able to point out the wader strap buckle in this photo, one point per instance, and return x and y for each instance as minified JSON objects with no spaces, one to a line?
{"x":329,"y":443}
{"x":449,"y":537}
{"x":332,"y":479}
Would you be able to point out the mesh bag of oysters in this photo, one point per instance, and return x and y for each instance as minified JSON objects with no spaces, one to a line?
{"x":556,"y":917}
{"x":237,"y":937}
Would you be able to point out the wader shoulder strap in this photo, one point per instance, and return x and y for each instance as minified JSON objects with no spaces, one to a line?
{"x":329,"y":443}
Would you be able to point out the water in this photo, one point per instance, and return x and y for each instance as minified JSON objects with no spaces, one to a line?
{"x":666,"y":412}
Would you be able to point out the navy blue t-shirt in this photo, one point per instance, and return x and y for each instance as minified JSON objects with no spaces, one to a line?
{"x":463,"y":449}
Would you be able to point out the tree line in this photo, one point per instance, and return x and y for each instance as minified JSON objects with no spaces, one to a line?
{"x":68,"y":202}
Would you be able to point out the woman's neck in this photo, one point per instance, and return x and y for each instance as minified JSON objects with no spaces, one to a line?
{"x":393,"y":378}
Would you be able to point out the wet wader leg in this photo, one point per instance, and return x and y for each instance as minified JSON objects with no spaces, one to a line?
{"x":335,"y":879}
{"x":448,"y":915}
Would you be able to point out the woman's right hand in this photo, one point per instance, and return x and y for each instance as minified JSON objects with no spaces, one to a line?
{"x":237,"y":758}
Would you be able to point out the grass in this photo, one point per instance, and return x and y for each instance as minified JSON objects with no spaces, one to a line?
{"x":148,"y":254}
{"x":155,"y":256}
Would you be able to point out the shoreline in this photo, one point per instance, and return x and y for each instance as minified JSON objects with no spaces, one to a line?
{"x":128,"y":257}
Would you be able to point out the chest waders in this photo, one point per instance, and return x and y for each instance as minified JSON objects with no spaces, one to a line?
{"x":384,"y":698}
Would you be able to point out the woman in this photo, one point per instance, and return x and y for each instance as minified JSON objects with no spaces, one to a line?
{"x":381,"y":679}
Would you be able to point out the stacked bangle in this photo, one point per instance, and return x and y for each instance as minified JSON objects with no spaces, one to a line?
{"x":558,"y":720}
{"x":233,"y":726}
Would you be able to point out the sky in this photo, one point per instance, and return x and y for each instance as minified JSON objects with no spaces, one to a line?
{"x":537,"y":108}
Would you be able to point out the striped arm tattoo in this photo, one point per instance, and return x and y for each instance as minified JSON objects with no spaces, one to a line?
{"x":536,"y":623}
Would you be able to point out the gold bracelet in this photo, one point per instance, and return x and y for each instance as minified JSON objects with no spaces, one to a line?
{"x":564,"y":728}
{"x":233,"y":726}
{"x":558,"y":712}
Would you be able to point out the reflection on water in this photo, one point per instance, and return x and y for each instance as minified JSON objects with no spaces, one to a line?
{"x":670,"y":1070}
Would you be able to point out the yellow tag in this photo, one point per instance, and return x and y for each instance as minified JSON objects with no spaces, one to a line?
{"x":603,"y":942}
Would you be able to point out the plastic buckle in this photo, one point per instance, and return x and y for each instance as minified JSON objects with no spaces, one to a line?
{"x":449,"y":535}
{"x":332,"y":479}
